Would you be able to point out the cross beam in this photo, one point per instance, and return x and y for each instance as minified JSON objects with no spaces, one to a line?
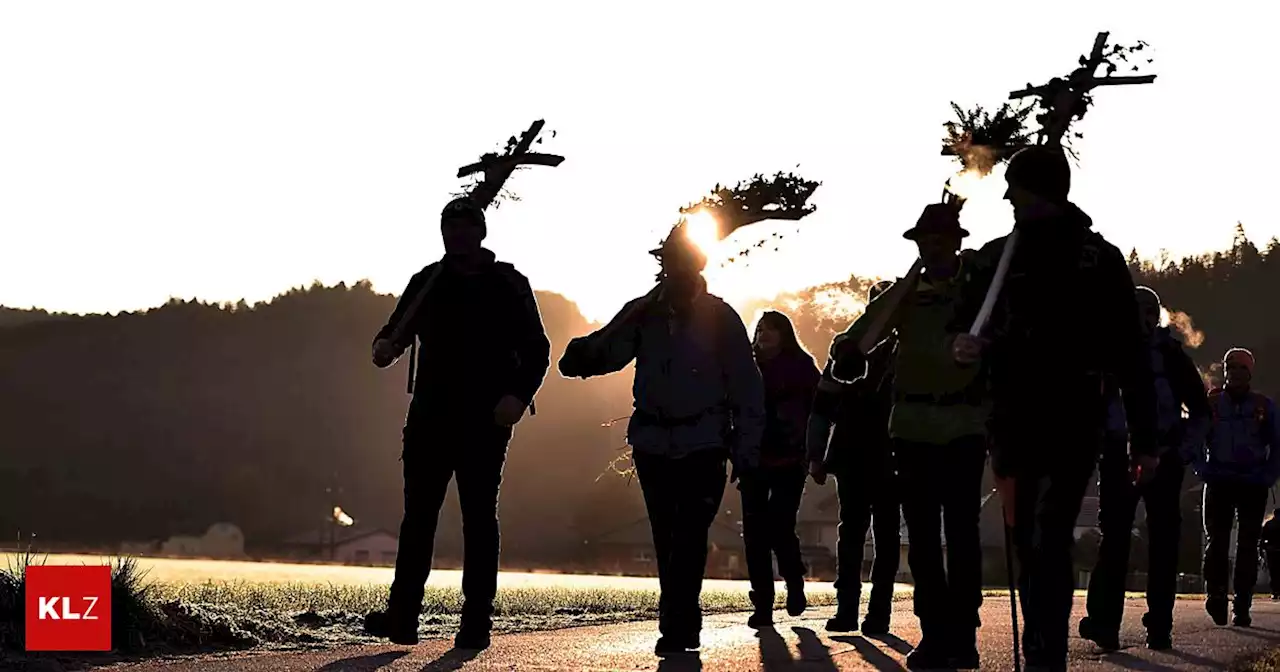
{"x":497,"y":168}
{"x":1061,"y":98}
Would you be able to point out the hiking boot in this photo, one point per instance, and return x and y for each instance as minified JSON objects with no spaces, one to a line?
{"x":1106,"y":639}
{"x":843,"y":621}
{"x":760,"y":619}
{"x":1216,"y":606}
{"x":398,"y":629}
{"x":1242,"y":620}
{"x":875,"y":625}
{"x":472,"y":637}
{"x":796,"y":601}
{"x":669,"y":645}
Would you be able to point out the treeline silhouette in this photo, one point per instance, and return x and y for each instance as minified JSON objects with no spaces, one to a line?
{"x":144,"y":425}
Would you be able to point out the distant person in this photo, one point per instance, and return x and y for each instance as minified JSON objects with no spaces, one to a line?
{"x":1177,"y":385}
{"x":484,"y":355}
{"x":938,"y":425}
{"x":699,"y":402}
{"x":1241,"y":463}
{"x":859,"y":453}
{"x":1269,"y":545}
{"x":771,"y":494}
{"x":1046,"y":382}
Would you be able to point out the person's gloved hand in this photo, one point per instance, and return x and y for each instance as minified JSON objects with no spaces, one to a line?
{"x":847,"y":361}
{"x":384,"y":353}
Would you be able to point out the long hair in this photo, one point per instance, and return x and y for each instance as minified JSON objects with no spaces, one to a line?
{"x":780,"y":323}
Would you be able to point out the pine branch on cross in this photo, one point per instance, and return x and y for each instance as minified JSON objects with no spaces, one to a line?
{"x":981,"y":141}
{"x":782,"y":197}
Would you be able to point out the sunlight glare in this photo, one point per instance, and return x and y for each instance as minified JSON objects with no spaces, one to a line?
{"x":703,"y":229}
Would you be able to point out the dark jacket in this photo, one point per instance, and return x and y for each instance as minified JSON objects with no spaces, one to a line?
{"x":860,"y":412}
{"x":1177,"y":384}
{"x":1040,"y":370}
{"x":696,"y":384}
{"x":790,"y":379}
{"x":481,"y":338}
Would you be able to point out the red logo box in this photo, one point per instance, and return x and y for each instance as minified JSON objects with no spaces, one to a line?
{"x":68,"y":608}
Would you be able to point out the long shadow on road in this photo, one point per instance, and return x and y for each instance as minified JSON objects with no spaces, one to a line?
{"x":871,"y":653}
{"x":451,"y":660}
{"x":368,"y":663}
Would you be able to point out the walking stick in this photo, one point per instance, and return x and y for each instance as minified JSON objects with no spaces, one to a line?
{"x":1013,"y":594}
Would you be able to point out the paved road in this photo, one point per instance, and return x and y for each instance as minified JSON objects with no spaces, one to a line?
{"x":794,"y":644}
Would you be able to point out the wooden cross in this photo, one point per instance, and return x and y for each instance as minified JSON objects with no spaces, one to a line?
{"x":1063,"y":98}
{"x":497,"y":168}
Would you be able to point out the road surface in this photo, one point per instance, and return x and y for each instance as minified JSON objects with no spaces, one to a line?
{"x":793,"y":644}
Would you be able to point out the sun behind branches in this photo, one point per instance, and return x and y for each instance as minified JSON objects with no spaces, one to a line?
{"x":703,"y":230}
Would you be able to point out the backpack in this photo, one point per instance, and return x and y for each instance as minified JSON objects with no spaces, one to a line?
{"x":1168,"y":407}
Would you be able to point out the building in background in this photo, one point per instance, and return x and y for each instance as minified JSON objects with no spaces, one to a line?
{"x":348,"y":545}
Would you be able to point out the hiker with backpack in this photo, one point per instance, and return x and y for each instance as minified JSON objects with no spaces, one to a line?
{"x":848,"y":438}
{"x":1177,"y":385}
{"x":938,"y":425}
{"x":699,"y":403}
{"x":771,"y":494}
{"x":1239,"y":463}
{"x":484,"y":355}
{"x":1046,"y":383}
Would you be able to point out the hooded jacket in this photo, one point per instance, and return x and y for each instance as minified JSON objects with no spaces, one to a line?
{"x":481,"y":337}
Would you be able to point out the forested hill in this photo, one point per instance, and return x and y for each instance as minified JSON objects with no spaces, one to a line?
{"x":144,"y":425}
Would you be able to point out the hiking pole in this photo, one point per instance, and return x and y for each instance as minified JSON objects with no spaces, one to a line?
{"x":1013,"y":594}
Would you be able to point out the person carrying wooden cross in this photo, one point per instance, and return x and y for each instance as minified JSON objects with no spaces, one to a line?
{"x":1046,"y":382}
{"x":484,"y":355}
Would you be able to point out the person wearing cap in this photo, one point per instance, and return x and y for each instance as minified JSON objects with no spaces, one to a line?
{"x":1239,"y":463}
{"x":699,"y":402}
{"x":938,"y":425}
{"x":483,"y":356}
{"x":1047,"y":383}
{"x":848,"y":437}
{"x":1178,"y":385}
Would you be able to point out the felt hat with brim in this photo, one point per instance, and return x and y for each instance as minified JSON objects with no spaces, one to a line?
{"x":939,"y":219}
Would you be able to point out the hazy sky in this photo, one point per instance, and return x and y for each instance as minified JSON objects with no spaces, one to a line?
{"x":235,"y":149}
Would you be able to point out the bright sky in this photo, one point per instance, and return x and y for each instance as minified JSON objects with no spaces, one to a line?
{"x":234,"y":149}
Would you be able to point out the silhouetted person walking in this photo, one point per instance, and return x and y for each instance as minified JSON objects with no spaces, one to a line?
{"x":771,"y":494}
{"x":938,"y":425}
{"x":1047,"y":382}
{"x":699,"y":401}
{"x":1241,"y":463}
{"x":859,"y":453}
{"x":484,"y":355}
{"x":1269,"y":546}
{"x":1177,"y":384}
